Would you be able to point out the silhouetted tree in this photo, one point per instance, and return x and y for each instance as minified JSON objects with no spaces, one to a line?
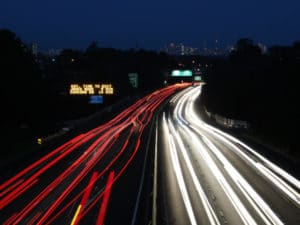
{"x":245,"y":50}
{"x":23,"y":92}
{"x":92,"y":48}
{"x":261,"y":89}
{"x":296,"y":45}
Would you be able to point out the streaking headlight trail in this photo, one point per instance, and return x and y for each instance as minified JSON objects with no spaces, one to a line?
{"x":221,"y":179}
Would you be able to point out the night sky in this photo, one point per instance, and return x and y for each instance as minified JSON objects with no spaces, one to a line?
{"x":150,"y":24}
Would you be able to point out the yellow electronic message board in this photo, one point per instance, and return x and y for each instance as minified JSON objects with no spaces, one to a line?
{"x":91,"y":89}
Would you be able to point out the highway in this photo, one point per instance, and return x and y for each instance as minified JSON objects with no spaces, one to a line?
{"x":74,"y":183}
{"x":156,"y":162}
{"x":205,"y":176}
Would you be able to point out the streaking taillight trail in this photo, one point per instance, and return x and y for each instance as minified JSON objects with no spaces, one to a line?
{"x":69,"y":182}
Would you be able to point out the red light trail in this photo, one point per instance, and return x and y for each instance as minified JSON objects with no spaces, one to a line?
{"x":67,"y":183}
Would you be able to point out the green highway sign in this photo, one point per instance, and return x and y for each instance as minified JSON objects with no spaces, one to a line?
{"x":133,"y":79}
{"x":197,"y":78}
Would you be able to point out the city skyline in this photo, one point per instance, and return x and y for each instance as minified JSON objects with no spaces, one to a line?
{"x":172,"y":49}
{"x":150,"y":25}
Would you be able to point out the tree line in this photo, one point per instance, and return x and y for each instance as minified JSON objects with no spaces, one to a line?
{"x":248,"y":85}
{"x":259,"y":88}
{"x":34,"y":90}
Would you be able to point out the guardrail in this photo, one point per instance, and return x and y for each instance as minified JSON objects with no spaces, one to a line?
{"x":227,"y":122}
{"x":69,"y":125}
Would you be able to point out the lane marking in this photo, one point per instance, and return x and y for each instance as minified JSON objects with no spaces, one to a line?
{"x":86,"y":195}
{"x":76,"y":214}
{"x":154,"y":202}
{"x":142,"y":179}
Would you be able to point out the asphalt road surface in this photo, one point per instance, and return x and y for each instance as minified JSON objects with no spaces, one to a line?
{"x":155,"y":163}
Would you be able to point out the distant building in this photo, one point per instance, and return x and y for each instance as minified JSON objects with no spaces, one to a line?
{"x":230,"y":49}
{"x":172,"y":49}
{"x":263,"y":48}
{"x":180,"y":49}
{"x":187,"y":50}
{"x":34,"y":48}
{"x":214,"y":49}
{"x":54,"y":52}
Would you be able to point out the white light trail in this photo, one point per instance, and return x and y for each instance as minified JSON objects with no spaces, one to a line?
{"x":255,"y":200}
{"x":213,"y":220}
{"x":280,"y":178}
{"x":237,"y":204}
{"x":232,"y":196}
{"x":178,"y":173}
{"x":191,"y":125}
{"x":187,"y":119}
